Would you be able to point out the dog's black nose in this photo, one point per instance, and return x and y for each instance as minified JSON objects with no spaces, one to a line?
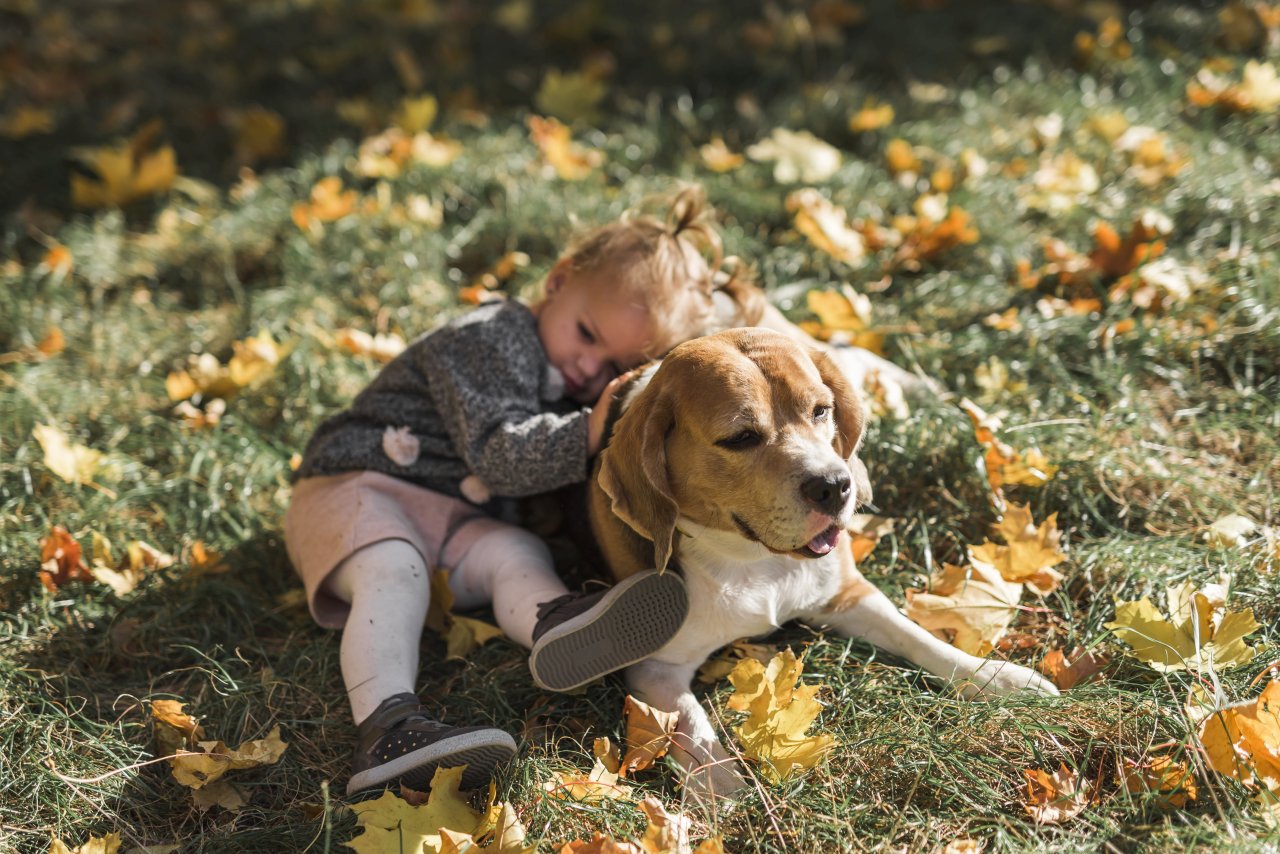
{"x":828,"y":492}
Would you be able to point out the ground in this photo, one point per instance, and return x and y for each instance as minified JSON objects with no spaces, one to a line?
{"x":1157,"y":402}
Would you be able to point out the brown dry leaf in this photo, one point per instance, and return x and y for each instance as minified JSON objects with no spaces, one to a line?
{"x":123,"y":577}
{"x":866,"y":530}
{"x":970,"y":607}
{"x":220,"y":793}
{"x":648,"y":734}
{"x":568,"y":160}
{"x":599,"y":784}
{"x":723,"y":663}
{"x":717,"y":157}
{"x":666,"y":833}
{"x":60,"y":560}
{"x":125,"y":172}
{"x":929,"y":239}
{"x":1057,"y":797}
{"x":1168,"y":784}
{"x":1198,"y":634}
{"x":1243,"y":740}
{"x":109,"y":844}
{"x":199,"y":769}
{"x":599,"y":844}
{"x":328,"y":202}
{"x":826,"y":226}
{"x":1114,"y":257}
{"x":206,"y":561}
{"x":963,"y":845}
{"x":463,"y":635}
{"x":779,"y":714}
{"x":1159,"y":284}
{"x":508,"y":834}
{"x":872,"y":116}
{"x":1068,"y":672}
{"x":381,"y":346}
{"x":1258,"y":90}
{"x":173,"y":728}
{"x":253,"y":361}
{"x":609,"y":754}
{"x":1030,"y":552}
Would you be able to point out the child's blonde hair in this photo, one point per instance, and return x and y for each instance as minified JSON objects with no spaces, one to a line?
{"x":673,"y":267}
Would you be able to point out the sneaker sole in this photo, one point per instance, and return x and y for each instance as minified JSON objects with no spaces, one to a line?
{"x":635,"y":619}
{"x":481,"y":752}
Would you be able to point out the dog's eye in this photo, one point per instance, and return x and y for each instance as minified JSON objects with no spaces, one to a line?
{"x":741,"y":441}
{"x":820,"y":412}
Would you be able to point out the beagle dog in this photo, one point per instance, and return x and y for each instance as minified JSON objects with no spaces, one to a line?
{"x":735,"y":460}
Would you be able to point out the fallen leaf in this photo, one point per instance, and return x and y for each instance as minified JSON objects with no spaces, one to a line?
{"x":25,"y":120}
{"x":1108,"y":45}
{"x":568,"y":160}
{"x":1199,"y":632}
{"x":1080,"y":668}
{"x":648,"y":734}
{"x":666,"y":833}
{"x":826,"y":226}
{"x":123,"y":577}
{"x":125,"y":172}
{"x":1114,"y":257}
{"x":109,"y":844}
{"x":253,"y":361}
{"x":1061,"y":182}
{"x":866,"y":530}
{"x":73,"y":463}
{"x":329,"y":202}
{"x":927,"y":240}
{"x":722,"y":664}
{"x":717,"y":157}
{"x":1166,"y":783}
{"x":462,"y":635}
{"x":872,"y":116}
{"x":390,"y":823}
{"x":599,"y":784}
{"x":60,"y":560}
{"x":778,"y":715}
{"x":416,"y":114}
{"x":58,"y":260}
{"x":220,"y":793}
{"x":1004,"y":464}
{"x":1030,"y":551}
{"x":1057,"y":797}
{"x":1151,"y":155}
{"x":970,"y":607}
{"x":1243,"y":740}
{"x":173,"y":728}
{"x":599,"y":844}
{"x":797,"y":156}
{"x":1258,"y":90}
{"x":198,"y":769}
{"x":900,"y":158}
{"x":1232,"y":531}
{"x":570,"y":97}
{"x":381,"y":346}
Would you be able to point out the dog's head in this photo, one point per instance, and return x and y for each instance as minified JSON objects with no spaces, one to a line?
{"x":743,"y":431}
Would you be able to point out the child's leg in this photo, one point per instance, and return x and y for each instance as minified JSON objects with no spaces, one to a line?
{"x":574,"y":638}
{"x":388,"y":588}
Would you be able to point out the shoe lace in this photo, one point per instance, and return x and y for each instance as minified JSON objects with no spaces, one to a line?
{"x":549,"y":607}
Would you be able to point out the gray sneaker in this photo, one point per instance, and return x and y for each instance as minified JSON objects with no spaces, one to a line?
{"x":400,"y":743}
{"x":580,"y":637}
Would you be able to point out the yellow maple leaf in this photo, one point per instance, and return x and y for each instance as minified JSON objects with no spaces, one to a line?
{"x":1167,"y":783}
{"x":571,"y":97}
{"x":108,"y":844}
{"x":390,"y":823}
{"x":198,"y":769}
{"x":568,"y":160}
{"x":1243,"y":740}
{"x":1054,"y":798}
{"x":1030,"y":552}
{"x":462,"y":635}
{"x":970,"y":607}
{"x":1198,"y":633}
{"x":508,"y":835}
{"x":648,"y":734}
{"x":125,"y":172}
{"x":826,"y":226}
{"x":72,"y":462}
{"x":778,"y":715}
{"x":796,"y":156}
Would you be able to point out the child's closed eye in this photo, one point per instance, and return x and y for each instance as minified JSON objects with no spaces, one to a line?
{"x":586,"y":333}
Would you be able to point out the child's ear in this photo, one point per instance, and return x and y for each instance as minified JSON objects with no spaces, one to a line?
{"x":557,"y":277}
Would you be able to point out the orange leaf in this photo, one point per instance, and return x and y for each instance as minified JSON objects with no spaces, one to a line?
{"x":1170,"y":784}
{"x":1054,"y":798}
{"x":1067,"y":673}
{"x":649,"y":733}
{"x":60,"y":560}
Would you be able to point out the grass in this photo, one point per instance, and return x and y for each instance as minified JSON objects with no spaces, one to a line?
{"x":1158,"y":431}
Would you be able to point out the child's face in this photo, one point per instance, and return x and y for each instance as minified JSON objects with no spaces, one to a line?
{"x":590,"y":336}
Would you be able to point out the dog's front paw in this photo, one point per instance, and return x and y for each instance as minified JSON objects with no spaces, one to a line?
{"x":1001,"y":678}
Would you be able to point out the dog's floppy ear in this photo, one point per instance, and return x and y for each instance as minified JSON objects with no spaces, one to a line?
{"x":849,"y":416}
{"x":633,"y":472}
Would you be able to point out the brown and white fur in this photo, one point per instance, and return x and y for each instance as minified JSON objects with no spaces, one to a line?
{"x":735,"y":460}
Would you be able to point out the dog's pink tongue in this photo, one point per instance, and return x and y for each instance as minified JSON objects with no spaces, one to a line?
{"x":826,"y":541}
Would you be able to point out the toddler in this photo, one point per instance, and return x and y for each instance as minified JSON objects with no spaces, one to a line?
{"x":516,"y":397}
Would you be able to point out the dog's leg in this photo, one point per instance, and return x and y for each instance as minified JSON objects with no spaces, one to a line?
{"x":875,"y":619}
{"x":710,"y":771}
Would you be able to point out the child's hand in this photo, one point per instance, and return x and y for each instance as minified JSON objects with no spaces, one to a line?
{"x":600,"y":413}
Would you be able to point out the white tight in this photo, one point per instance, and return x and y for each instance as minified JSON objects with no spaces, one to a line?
{"x":389,"y":587}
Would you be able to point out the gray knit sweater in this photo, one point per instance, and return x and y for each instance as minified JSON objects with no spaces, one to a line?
{"x":474,"y":394}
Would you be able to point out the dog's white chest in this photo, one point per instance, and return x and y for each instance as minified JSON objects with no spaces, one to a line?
{"x":737,"y":589}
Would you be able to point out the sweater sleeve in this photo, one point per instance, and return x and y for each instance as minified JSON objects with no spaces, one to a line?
{"x":484,"y":380}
